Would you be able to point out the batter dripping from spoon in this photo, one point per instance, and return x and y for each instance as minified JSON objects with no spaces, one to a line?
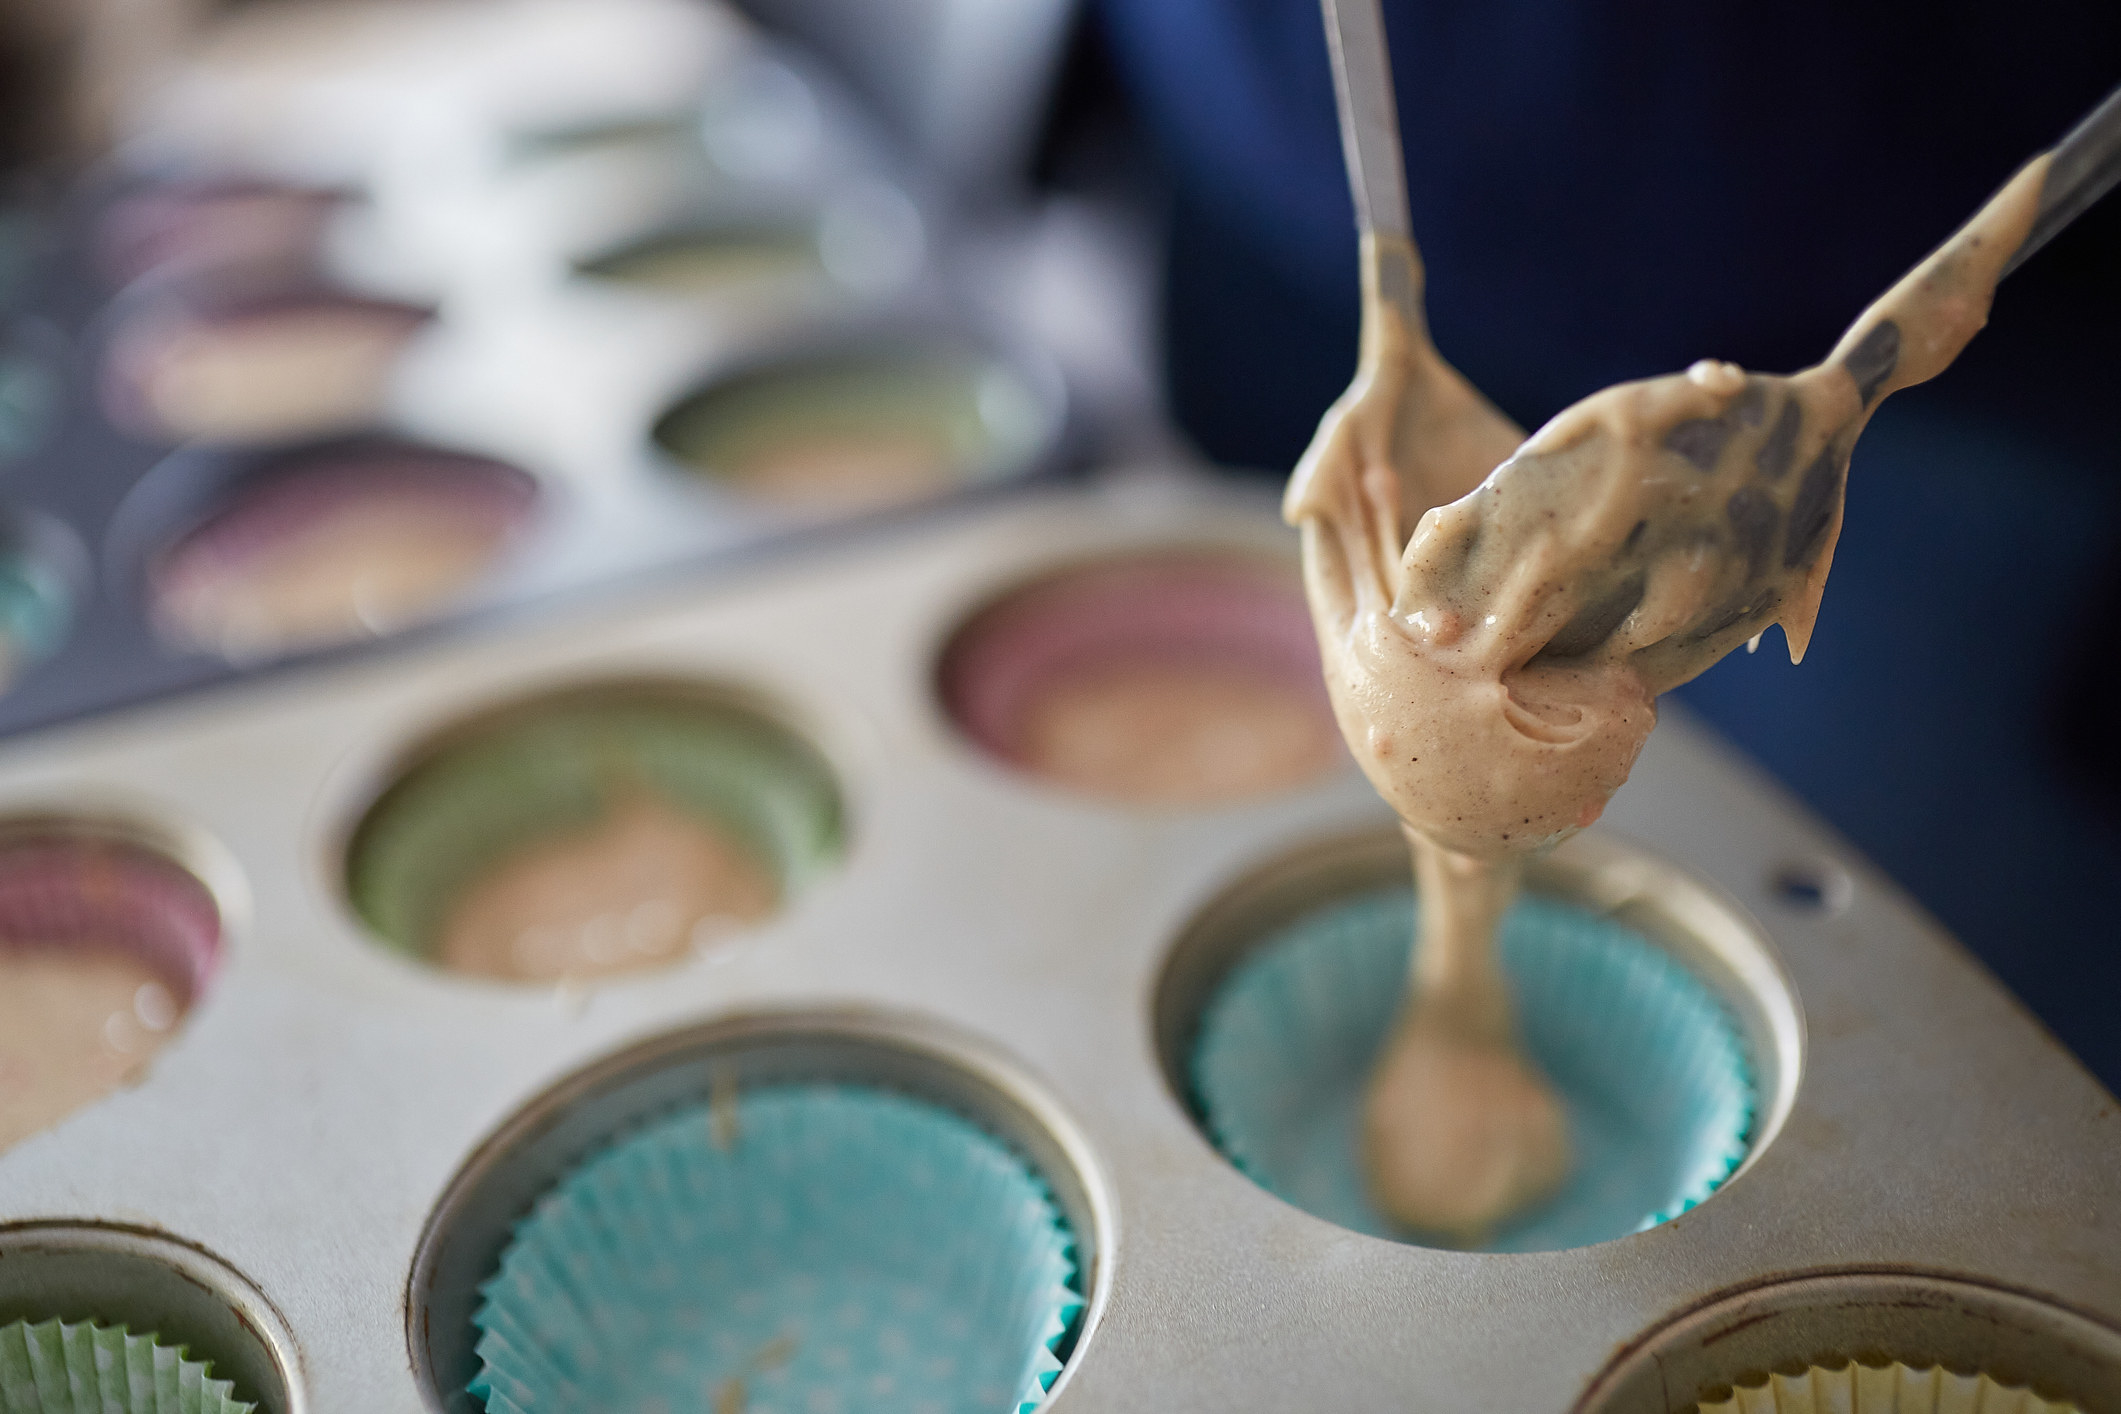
{"x":1496,"y":670}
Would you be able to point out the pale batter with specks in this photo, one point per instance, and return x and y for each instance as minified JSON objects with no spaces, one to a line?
{"x":1157,"y":731}
{"x":641,"y":886}
{"x":76,"y":1022}
{"x":1496,"y":672}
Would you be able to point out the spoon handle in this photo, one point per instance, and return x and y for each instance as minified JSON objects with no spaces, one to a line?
{"x":1369,"y":118}
{"x":2084,"y":167}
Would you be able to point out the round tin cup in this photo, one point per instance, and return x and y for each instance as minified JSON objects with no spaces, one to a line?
{"x":149,"y":1282}
{"x":509,"y":787}
{"x":1032,"y":676}
{"x":79,"y":888}
{"x":168,"y":375}
{"x":203,"y":535}
{"x":42,"y":572}
{"x":1626,"y":965}
{"x":706,"y":1075}
{"x":1739,"y":1341}
{"x":863,"y":420}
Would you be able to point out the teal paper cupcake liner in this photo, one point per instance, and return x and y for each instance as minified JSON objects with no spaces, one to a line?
{"x":35,"y":610}
{"x":62,"y":1367}
{"x":801,"y":1249}
{"x":559,"y":766}
{"x":1656,"y":1081}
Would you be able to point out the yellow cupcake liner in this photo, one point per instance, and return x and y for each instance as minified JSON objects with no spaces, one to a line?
{"x":1883,"y":1389}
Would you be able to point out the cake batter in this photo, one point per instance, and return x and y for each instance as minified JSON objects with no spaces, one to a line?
{"x":76,"y":1022}
{"x":1155,"y":731}
{"x":640,"y":887}
{"x":273,"y":576}
{"x":844,"y":471}
{"x":292,"y":371}
{"x":1496,"y":672}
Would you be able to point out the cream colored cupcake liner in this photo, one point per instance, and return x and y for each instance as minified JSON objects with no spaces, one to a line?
{"x":1883,"y":1389}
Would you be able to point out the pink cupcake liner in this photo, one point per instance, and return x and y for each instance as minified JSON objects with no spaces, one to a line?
{"x":1192,"y":608}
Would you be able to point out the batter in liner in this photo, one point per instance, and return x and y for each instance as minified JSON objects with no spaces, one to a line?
{"x":640,"y":887}
{"x":76,"y":1023}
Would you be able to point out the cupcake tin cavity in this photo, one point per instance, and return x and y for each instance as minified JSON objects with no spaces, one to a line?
{"x":1832,"y":1320}
{"x":1178,"y":678}
{"x":592,"y":831}
{"x":1658,"y":1092}
{"x":256,"y":556}
{"x":833,"y":1132}
{"x":116,"y":1277}
{"x":360,"y":1132}
{"x":105,"y":943}
{"x":620,"y":254}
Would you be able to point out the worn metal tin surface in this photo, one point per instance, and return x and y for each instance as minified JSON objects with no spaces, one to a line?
{"x":325,"y":1094}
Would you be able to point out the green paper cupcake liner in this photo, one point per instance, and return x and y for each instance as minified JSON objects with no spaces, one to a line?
{"x":801,"y":1249}
{"x":556,"y":767}
{"x":1657,"y":1085}
{"x":60,"y":1367}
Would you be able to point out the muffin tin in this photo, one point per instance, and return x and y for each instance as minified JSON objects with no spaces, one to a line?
{"x":349,"y":1136}
{"x":463,"y":268}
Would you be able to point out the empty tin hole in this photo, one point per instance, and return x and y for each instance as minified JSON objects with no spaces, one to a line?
{"x":1736,"y":1344}
{"x":151,"y":1285}
{"x":861,"y":427}
{"x":1178,"y":677}
{"x":1651,"y":1003}
{"x":790,"y":1212}
{"x":105,"y":943}
{"x":311,"y":547}
{"x":594,"y":831}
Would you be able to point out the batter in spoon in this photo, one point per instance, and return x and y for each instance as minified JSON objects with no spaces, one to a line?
{"x":1496,"y":672}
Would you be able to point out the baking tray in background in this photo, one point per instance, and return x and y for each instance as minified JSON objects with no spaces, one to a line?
{"x":529,"y":358}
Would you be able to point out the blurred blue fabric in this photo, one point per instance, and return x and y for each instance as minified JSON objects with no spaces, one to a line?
{"x":1608,"y":190}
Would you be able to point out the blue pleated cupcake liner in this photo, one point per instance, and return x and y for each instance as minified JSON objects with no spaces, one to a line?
{"x":66,"y":1367}
{"x":811,"y":1247}
{"x":1656,"y":1081}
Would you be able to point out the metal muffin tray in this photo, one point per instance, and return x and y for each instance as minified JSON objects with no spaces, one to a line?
{"x":528,"y":359}
{"x":330,"y":1153}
